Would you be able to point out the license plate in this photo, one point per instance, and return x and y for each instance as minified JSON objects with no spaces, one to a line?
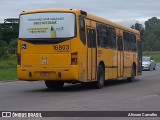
{"x":44,"y":74}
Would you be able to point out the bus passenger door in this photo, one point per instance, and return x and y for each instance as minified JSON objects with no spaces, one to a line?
{"x":120,"y":58}
{"x":91,"y":54}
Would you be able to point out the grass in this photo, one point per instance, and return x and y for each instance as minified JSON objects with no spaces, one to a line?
{"x":8,"y":69}
{"x":8,"y":75}
{"x":154,"y":54}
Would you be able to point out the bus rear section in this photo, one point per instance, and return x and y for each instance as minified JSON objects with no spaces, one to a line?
{"x":44,"y":48}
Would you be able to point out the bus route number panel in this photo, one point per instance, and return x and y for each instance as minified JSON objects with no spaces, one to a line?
{"x":61,"y":48}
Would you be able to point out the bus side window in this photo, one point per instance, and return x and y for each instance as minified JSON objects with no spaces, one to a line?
{"x":126,"y":37}
{"x":112,"y":37}
{"x":102,"y":32}
{"x":82,"y":30}
{"x":133,"y":42}
{"x":99,"y":36}
{"x":119,"y":43}
{"x":91,"y":38}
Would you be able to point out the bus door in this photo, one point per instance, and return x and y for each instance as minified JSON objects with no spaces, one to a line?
{"x":120,"y":58}
{"x":91,"y":54}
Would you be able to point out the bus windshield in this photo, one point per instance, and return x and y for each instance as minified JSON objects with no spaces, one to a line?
{"x":47,"y":25}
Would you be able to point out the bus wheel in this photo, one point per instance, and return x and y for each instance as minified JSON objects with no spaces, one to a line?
{"x":100,"y":78}
{"x":54,"y":84}
{"x":133,"y":74}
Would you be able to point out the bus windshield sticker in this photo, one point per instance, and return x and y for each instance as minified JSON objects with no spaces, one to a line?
{"x":47,"y":25}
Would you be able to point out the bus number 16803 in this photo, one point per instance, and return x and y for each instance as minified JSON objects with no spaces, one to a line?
{"x":61,"y":48}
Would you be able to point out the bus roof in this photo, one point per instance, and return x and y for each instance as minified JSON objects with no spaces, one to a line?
{"x":112,"y":23}
{"x":89,"y":16}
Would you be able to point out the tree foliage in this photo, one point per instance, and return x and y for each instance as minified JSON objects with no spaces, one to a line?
{"x":3,"y":44}
{"x":8,"y":39}
{"x":12,"y":47}
{"x":138,"y":27}
{"x":152,"y":34}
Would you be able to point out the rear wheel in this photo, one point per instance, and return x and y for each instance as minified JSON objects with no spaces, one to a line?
{"x":100,"y":78}
{"x":54,"y":84}
{"x":133,"y":74}
{"x":154,"y":67}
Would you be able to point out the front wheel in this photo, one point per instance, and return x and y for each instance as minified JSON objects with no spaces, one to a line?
{"x":100,"y":78}
{"x":54,"y":84}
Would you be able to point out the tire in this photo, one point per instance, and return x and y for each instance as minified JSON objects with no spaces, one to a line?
{"x":100,"y":78}
{"x":133,"y":74}
{"x":54,"y":84}
{"x":154,"y":68}
{"x":149,"y":69}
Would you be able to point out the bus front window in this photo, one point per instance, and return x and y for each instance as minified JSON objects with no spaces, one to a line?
{"x":47,"y":25}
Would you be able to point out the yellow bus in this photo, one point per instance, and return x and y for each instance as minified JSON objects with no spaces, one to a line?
{"x":71,"y":46}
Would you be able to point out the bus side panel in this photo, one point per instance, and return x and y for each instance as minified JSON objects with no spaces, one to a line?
{"x":109,"y":57}
{"x":111,"y":63}
{"x":127,"y":64}
{"x":83,"y":63}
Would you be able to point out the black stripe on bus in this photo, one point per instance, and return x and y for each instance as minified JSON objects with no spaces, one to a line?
{"x":111,"y":66}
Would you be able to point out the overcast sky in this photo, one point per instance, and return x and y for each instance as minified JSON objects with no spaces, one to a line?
{"x":125,"y":12}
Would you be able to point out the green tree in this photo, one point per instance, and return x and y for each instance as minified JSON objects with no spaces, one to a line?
{"x":8,"y":33}
{"x":12,"y":47}
{"x":9,"y":29}
{"x":8,"y":37}
{"x":152,"y":34}
{"x":3,"y":45}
